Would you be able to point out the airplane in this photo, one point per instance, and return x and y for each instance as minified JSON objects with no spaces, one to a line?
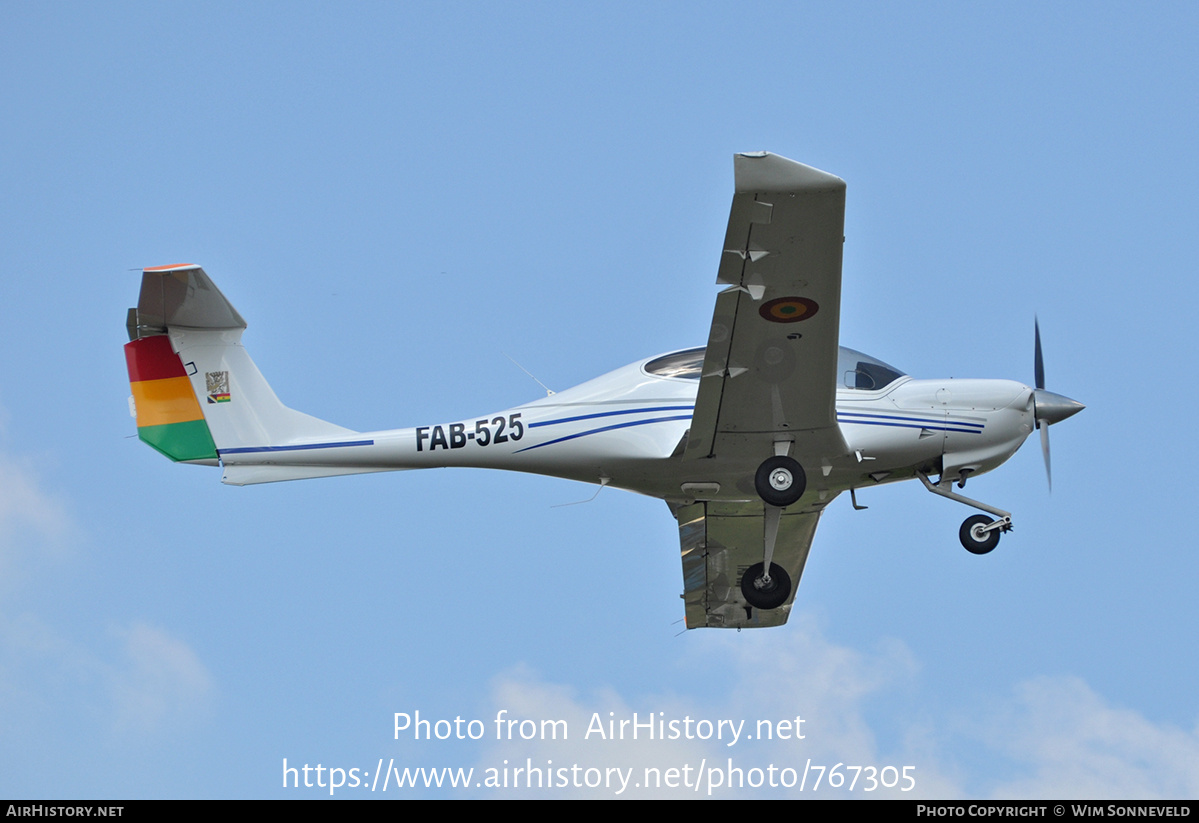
{"x":747,"y":440}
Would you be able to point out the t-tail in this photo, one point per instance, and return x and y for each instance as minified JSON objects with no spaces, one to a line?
{"x":197,"y":395}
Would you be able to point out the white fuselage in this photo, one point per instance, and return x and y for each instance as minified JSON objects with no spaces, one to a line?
{"x":627,"y":429}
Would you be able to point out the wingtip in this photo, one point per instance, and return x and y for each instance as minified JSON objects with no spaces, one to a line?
{"x":761,"y":171}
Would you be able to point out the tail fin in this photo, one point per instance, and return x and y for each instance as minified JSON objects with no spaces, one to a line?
{"x":196,"y":392}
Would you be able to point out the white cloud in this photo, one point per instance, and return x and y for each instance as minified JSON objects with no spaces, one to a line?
{"x":776,"y":678}
{"x":30,"y":519}
{"x":161,"y":682}
{"x":153,"y":679}
{"x":1064,"y":739}
{"x":1076,"y":744}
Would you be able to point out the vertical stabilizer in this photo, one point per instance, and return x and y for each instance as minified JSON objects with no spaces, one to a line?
{"x":197,"y":394}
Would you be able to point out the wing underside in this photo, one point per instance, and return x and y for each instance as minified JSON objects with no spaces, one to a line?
{"x":770,"y":367}
{"x":768,"y":384}
{"x":719,"y":541}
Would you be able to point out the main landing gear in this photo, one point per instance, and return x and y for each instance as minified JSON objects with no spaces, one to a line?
{"x":764,"y":591}
{"x":979,"y":534}
{"x":780,"y":481}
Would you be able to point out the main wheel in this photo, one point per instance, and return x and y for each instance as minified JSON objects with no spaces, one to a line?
{"x":762,"y":595}
{"x":780,"y":481}
{"x":974,"y":538}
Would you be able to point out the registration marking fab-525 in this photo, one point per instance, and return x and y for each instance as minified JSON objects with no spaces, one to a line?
{"x":747,"y":440}
{"x":508,"y":429}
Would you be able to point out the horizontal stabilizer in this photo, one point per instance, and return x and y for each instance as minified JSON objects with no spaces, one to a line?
{"x":182,"y":297}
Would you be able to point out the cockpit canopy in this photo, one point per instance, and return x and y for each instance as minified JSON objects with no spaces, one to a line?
{"x":687,"y":363}
{"x":861,"y":371}
{"x":854,"y":369}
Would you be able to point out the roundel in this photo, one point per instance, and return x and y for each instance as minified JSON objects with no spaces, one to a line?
{"x":788,"y":309}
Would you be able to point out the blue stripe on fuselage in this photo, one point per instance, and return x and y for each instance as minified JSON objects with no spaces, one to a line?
{"x":603,"y":428}
{"x":256,"y":449}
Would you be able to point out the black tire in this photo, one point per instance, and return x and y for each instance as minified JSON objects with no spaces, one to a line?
{"x":973,"y":544}
{"x":780,"y":481}
{"x":768,"y":597}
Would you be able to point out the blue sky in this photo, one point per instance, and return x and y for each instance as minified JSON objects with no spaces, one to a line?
{"x":395,"y":196}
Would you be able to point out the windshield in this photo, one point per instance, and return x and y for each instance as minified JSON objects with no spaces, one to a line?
{"x":854,"y":369}
{"x":861,"y":371}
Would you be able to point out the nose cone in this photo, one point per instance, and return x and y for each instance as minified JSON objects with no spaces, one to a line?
{"x":1054,"y":408}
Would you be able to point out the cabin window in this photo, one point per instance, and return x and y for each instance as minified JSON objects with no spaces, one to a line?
{"x":855,"y":370}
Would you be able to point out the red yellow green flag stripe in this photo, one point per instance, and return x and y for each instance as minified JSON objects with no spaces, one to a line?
{"x":168,"y":416}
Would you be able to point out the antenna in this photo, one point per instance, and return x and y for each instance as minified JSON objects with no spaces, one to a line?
{"x":603,"y":482}
{"x":548,"y":391}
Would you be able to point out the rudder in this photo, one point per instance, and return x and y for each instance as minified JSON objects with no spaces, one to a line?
{"x":168,"y":417}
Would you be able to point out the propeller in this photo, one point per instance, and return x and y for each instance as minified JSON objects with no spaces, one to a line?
{"x":1048,"y":407}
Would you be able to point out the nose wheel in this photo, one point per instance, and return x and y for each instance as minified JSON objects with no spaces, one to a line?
{"x":976,"y":536}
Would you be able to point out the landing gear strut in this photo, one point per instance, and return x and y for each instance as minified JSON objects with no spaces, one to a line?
{"x":979,"y":534}
{"x":780,"y":481}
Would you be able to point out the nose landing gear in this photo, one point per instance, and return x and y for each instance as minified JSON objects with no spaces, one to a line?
{"x":979,"y":534}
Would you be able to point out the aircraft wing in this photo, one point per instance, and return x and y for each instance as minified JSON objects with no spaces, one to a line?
{"x":770,"y":370}
{"x":719,"y":542}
